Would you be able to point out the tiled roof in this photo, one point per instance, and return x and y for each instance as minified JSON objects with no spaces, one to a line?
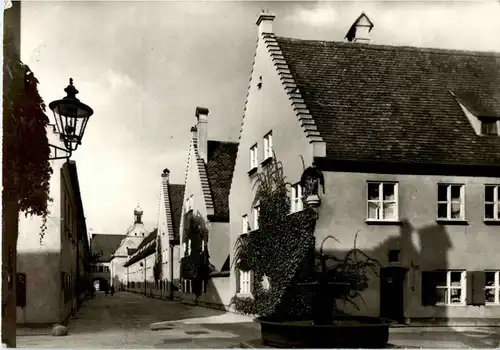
{"x":149,"y":245}
{"x":389,"y":103}
{"x":105,"y":244}
{"x":221,"y":159}
{"x":176,"y":196}
{"x":149,"y":238}
{"x":131,"y":251}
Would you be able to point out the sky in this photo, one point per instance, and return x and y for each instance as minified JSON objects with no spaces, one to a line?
{"x":144,"y":67}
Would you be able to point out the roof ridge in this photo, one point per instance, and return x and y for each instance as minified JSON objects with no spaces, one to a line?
{"x":225,"y":142}
{"x":400,"y":47}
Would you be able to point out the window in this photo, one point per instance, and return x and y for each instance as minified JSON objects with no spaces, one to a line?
{"x":394,"y":256}
{"x":254,"y":157}
{"x":184,"y":248}
{"x":492,"y":202}
{"x":189,"y":204}
{"x":268,"y":146}
{"x":489,"y":127}
{"x":244,"y":224}
{"x":188,"y":247}
{"x":450,"y":287}
{"x":492,"y":287}
{"x":382,"y":201}
{"x":245,"y":279}
{"x":297,"y":204}
{"x":256,"y":217}
{"x":451,"y":204}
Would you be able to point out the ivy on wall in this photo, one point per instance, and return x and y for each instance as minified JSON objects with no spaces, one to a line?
{"x":195,"y":265}
{"x":282,"y":254}
{"x":281,"y":251}
{"x":157,"y":267}
{"x":25,"y":148}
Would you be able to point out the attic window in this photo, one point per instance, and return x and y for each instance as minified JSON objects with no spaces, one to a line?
{"x":489,"y":127}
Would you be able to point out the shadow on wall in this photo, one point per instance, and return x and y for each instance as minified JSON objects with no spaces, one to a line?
{"x":407,"y":283}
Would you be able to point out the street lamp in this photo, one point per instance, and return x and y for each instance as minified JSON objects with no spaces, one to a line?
{"x":71,"y":117}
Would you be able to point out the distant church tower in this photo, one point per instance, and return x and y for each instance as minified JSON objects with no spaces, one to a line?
{"x":138,"y":215}
{"x":137,"y":229}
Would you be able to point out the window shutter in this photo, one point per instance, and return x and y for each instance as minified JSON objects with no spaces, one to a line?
{"x":251,"y":281}
{"x":476,"y":281}
{"x":237,"y":274}
{"x":429,"y":294}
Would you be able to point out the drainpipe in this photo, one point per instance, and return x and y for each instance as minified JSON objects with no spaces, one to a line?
{"x":171,"y":272}
{"x":145,"y":277}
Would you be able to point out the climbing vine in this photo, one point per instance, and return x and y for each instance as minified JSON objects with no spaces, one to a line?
{"x":280,"y":252}
{"x":281,"y":255}
{"x":26,"y":167}
{"x":157,"y":267}
{"x":195,"y":263}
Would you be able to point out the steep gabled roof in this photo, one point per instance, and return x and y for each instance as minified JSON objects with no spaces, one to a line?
{"x":176,"y":198}
{"x":105,"y":244}
{"x":220,"y":166}
{"x":146,"y":248}
{"x":396,"y":104}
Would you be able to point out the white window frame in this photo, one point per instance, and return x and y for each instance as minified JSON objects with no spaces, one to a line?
{"x":244,"y":223}
{"x":449,"y":202}
{"x":245,"y":280}
{"x":255,"y":214}
{"x":381,"y":201}
{"x":188,"y":247}
{"x":254,"y":157}
{"x":297,"y":203}
{"x":485,"y":126}
{"x":449,"y":288}
{"x":495,"y":287}
{"x":268,"y":145}
{"x":495,"y":203}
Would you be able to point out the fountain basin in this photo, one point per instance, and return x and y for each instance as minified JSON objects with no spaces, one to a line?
{"x":343,"y":332}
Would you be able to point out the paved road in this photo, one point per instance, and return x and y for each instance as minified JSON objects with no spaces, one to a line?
{"x":125,"y":320}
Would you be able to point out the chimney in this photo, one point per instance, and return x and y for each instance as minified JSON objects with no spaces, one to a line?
{"x":265,"y":22}
{"x":165,"y":176}
{"x":202,"y":127}
{"x":360,"y":30}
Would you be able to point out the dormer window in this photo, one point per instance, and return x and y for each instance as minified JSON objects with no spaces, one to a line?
{"x":489,"y":127}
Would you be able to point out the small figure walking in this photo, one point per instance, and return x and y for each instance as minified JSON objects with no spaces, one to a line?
{"x":112,"y":290}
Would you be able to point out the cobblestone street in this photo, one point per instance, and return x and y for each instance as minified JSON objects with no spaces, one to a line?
{"x":128,"y":320}
{"x":123,"y":321}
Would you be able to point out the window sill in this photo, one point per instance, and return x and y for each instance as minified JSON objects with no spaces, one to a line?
{"x":491,"y":304}
{"x":452,"y":222}
{"x":252,"y":171}
{"x":383,"y":222}
{"x":452,"y":305}
{"x":266,"y":161}
{"x":244,"y":295}
{"x":492,"y":222}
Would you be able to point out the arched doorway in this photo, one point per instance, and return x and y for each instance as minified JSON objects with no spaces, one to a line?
{"x":100,"y":284}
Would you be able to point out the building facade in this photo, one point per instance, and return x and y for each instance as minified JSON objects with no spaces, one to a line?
{"x":408,"y":146}
{"x":52,"y":267}
{"x":130,"y":242}
{"x":160,"y":248}
{"x":208,"y":180}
